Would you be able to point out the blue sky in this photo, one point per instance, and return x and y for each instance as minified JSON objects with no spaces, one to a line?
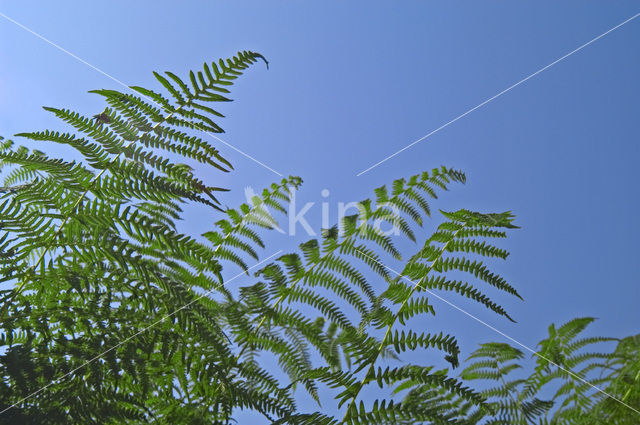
{"x":351,"y":83}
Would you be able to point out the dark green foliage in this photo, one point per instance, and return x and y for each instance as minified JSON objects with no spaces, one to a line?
{"x":93,"y":257}
{"x":113,"y":316}
{"x":570,"y":383}
{"x":327,"y":324}
{"x":623,"y":383}
{"x":131,"y":319}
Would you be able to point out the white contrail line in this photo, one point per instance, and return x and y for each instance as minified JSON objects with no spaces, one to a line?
{"x":500,"y":94}
{"x":111,"y":77}
{"x":574,"y":375}
{"x":129,"y":338}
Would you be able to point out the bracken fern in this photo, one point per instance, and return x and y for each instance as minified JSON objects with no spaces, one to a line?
{"x":112,"y":315}
{"x":563,"y":387}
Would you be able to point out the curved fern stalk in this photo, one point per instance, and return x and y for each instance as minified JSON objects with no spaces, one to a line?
{"x":202,"y":342}
{"x":134,"y":126}
{"x":228,"y":245}
{"x":202,"y":320}
{"x":274,"y":322}
{"x":297,"y":329}
{"x":65,"y":219}
{"x":263,"y":394}
{"x":403,"y":193}
{"x":236,"y":237}
{"x":451,"y":235}
{"x":117,"y":261}
{"x":323,"y":260}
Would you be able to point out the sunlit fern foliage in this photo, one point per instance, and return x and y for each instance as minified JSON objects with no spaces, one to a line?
{"x":111,"y":315}
{"x":623,"y":384}
{"x":330,"y":326}
{"x":90,"y":255}
{"x":564,"y":385}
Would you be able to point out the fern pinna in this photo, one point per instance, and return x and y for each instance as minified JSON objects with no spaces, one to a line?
{"x":90,"y":253}
{"x":298,"y":311}
{"x":111,"y":315}
{"x":623,"y":384}
{"x":568,"y":385}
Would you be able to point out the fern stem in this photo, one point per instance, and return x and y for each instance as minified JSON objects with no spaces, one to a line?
{"x":366,"y":379}
{"x":19,"y":289}
{"x":183,"y":104}
{"x":395,"y":198}
{"x":282,"y":298}
{"x":515,"y":401}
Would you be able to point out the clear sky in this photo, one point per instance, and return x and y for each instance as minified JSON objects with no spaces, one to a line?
{"x":352,"y":82}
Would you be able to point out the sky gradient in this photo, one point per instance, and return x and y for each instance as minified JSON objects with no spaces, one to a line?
{"x":351,"y":83}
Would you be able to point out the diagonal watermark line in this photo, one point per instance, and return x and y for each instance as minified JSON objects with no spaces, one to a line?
{"x":60,"y":379}
{"x":129,"y":338}
{"x":534,"y":352}
{"x":499,"y":94}
{"x":272,"y":170}
{"x":109,"y":76}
